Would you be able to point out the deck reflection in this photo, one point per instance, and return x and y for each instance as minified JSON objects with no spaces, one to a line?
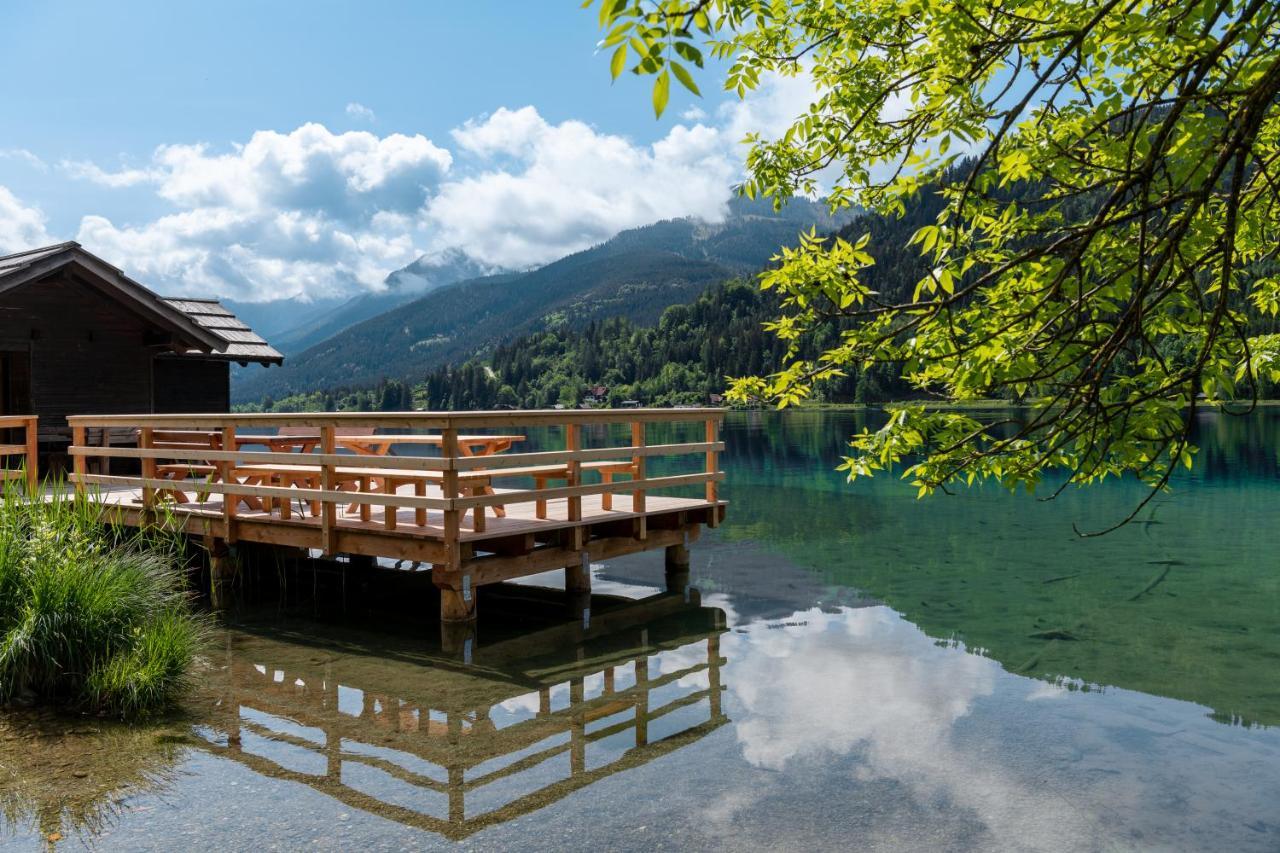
{"x":455,"y":742}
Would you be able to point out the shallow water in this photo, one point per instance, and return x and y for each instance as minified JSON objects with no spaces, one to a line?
{"x":853,"y":669}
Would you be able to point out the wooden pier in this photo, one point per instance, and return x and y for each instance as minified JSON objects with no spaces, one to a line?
{"x":470,"y":501}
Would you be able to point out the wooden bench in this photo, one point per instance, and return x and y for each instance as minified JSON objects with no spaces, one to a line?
{"x":179,"y":471}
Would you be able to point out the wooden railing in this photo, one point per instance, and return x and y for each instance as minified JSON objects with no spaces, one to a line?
{"x":180,"y":456}
{"x":26,"y":450}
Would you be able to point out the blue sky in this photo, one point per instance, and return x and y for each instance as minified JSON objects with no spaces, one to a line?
{"x":308,"y":148}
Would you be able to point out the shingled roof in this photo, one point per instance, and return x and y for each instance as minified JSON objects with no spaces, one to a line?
{"x":203,"y":326}
{"x":243,"y":343}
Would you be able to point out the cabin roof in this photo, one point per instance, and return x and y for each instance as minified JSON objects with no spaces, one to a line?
{"x":202,"y":328}
{"x":243,"y":343}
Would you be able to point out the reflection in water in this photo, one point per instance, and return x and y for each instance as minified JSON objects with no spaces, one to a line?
{"x":71,"y":777}
{"x":1183,"y":603}
{"x":452,"y":746}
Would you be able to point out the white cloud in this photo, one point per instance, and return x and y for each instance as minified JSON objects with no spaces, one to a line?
{"x":115,"y":180}
{"x":311,"y":212}
{"x":21,"y":227}
{"x":22,"y":155}
{"x":360,"y":112}
{"x":305,"y":214}
{"x":558,"y":188}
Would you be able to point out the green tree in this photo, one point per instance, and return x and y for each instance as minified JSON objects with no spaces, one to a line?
{"x":1118,"y":296}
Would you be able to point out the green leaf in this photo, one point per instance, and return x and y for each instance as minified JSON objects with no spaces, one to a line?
{"x":685,"y":78}
{"x":618,"y":62}
{"x":661,"y":93}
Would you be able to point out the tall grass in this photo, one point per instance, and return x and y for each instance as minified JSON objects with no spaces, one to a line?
{"x":91,"y":616}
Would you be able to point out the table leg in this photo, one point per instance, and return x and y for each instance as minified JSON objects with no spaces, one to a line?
{"x":283,"y":502}
{"x":365,"y":509}
{"x":388,"y":511}
{"x":477,"y":513}
{"x":420,"y":491}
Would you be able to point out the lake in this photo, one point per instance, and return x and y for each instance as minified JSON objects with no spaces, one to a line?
{"x":851,"y":668}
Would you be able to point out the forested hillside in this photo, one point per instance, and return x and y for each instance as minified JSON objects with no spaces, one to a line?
{"x":635,"y":275}
{"x":683,"y":357}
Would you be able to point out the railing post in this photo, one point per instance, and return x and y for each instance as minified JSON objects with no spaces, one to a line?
{"x":226,"y":472}
{"x":78,"y":460}
{"x":639,"y":467}
{"x":148,"y":468}
{"x":449,"y":486}
{"x":712,"y":492}
{"x":328,"y":508}
{"x":573,"y":477}
{"x":573,"y":442}
{"x":32,"y":456}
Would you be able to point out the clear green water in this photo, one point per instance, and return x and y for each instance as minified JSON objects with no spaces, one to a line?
{"x":856,"y":670}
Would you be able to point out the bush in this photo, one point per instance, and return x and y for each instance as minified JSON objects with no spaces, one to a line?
{"x":91,"y":616}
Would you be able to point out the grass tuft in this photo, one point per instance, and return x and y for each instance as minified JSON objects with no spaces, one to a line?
{"x":91,"y":616}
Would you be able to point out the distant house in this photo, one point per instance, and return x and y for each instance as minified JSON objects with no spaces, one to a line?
{"x":716,"y":399}
{"x":78,"y":336}
{"x":597,"y":395}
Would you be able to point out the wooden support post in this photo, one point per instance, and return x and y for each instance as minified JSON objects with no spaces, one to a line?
{"x":32,"y":457}
{"x":713,"y":464}
{"x":328,"y":508}
{"x":230,"y":503}
{"x":638,"y":468}
{"x":457,"y":595}
{"x":677,"y":567}
{"x":222,"y":573}
{"x":577,"y":576}
{"x":577,"y":589}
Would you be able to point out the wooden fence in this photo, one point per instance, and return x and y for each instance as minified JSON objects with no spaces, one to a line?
{"x":24,"y":450}
{"x":327,"y":468}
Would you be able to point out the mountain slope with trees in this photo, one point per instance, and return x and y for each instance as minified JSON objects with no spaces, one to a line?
{"x":635,"y":275}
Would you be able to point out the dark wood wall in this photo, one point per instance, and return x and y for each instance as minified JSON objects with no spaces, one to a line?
{"x":191,"y":385}
{"x":90,"y":355}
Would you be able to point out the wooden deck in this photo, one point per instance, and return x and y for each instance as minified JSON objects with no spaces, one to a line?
{"x":468,"y":514}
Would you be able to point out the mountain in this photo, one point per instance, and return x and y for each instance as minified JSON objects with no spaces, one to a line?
{"x":635,"y":275}
{"x":293,"y":325}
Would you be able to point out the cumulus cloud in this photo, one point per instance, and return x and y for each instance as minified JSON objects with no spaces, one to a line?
{"x":360,"y":112}
{"x":313,"y":213}
{"x":306,"y":214}
{"x":558,"y":188}
{"x":21,"y":227}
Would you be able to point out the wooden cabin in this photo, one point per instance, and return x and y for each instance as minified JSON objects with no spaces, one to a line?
{"x":77,"y":335}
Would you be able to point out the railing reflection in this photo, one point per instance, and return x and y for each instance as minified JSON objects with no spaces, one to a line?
{"x":455,"y":748}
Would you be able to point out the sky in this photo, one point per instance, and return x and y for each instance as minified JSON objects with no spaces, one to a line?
{"x":288,"y":149}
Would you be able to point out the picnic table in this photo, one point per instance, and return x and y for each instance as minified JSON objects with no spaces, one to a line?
{"x":368,"y":444}
{"x":360,"y":444}
{"x":379,"y":445}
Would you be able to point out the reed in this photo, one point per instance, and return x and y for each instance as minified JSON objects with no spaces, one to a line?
{"x":92,"y":616}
